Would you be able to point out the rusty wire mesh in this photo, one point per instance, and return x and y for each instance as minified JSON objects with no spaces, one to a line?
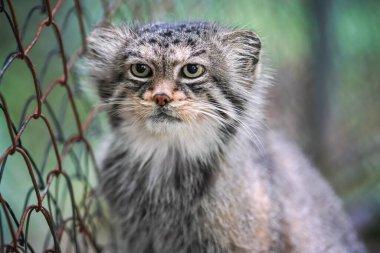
{"x":51,"y":188}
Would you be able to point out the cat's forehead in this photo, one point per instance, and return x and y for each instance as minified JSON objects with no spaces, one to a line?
{"x":164,"y":35}
{"x":165,"y":30}
{"x":174,"y":42}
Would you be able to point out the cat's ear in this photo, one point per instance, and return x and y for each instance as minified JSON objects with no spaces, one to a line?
{"x":244,"y":48}
{"x":105,"y":41}
{"x":105,"y":46}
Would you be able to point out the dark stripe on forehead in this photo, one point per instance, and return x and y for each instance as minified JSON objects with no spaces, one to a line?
{"x":167,"y":33}
{"x":152,"y":41}
{"x":191,"y":42}
{"x":237,"y":101}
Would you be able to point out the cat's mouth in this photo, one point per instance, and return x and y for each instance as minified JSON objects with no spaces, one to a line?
{"x":164,"y":115}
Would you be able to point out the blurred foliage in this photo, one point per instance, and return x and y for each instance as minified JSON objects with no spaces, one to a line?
{"x":325,"y":58}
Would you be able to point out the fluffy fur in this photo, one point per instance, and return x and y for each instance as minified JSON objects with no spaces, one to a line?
{"x":208,"y":176}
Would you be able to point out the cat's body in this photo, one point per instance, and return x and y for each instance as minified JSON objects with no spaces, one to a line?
{"x":190,"y":166}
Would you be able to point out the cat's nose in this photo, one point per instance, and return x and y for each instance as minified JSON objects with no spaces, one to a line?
{"x":161,"y":99}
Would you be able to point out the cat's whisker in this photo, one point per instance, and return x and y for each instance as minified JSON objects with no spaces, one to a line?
{"x":232,"y":122}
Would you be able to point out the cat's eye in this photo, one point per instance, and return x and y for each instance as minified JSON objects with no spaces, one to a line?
{"x":193,"y":70}
{"x":141,"y":70}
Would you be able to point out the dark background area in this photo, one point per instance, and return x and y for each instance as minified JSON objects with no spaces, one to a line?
{"x":324,"y":57}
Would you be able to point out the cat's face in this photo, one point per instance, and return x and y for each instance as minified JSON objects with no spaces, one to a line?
{"x":173,"y":78}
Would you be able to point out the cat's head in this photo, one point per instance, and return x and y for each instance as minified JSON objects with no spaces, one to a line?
{"x":172,"y":78}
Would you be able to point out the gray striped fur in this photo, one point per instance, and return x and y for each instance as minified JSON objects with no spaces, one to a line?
{"x":215,"y":180}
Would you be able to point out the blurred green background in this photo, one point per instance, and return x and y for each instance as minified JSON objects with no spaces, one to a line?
{"x":324,"y":56}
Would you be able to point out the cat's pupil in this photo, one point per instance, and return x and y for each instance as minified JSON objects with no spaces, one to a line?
{"x":192,"y":68}
{"x":141,"y":68}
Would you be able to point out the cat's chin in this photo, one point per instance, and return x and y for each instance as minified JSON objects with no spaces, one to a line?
{"x":164,"y":118}
{"x":163,"y":124}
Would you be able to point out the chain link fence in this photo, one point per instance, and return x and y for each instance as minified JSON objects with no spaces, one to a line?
{"x":55,"y":186}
